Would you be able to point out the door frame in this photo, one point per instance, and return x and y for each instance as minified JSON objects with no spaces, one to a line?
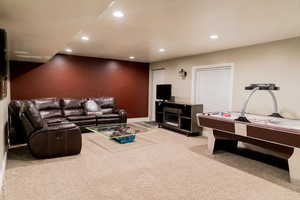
{"x":212,"y":67}
{"x":152,"y":96}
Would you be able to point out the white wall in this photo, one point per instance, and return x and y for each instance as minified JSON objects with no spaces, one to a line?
{"x":276,"y":62}
{"x":3,"y":120}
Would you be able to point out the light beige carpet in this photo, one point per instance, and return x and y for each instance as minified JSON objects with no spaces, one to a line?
{"x":161,"y":165}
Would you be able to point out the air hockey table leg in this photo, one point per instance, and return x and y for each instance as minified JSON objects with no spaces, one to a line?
{"x":211,"y":141}
{"x":294,"y":167}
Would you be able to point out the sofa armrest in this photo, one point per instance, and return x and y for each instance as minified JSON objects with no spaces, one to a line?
{"x":123,"y":115}
{"x":57,"y":128}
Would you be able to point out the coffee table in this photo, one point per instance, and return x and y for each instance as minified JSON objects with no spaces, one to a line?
{"x":120,"y":132}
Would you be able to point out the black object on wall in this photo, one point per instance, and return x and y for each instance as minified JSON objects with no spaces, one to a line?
{"x":3,"y":64}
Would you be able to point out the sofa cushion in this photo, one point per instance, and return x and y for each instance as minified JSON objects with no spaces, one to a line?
{"x":73,"y":112}
{"x":95,"y":113}
{"x":107,"y":111}
{"x":83,"y":117}
{"x":54,"y":120}
{"x":70,"y":103}
{"x":51,"y":114}
{"x":34,"y":116}
{"x":46,"y":103}
{"x":61,"y":126}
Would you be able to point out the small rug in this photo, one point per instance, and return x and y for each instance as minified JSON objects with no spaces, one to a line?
{"x":139,"y":128}
{"x":148,"y":124}
{"x":113,"y":146}
{"x":110,"y":145}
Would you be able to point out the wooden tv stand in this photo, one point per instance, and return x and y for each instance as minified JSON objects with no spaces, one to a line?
{"x":180,"y":117}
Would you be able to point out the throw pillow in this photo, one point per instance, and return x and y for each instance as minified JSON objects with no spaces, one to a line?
{"x":92,"y":108}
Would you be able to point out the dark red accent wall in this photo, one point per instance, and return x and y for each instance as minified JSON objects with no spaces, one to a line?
{"x":77,"y":76}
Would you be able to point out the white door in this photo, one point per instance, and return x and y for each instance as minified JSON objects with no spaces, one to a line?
{"x":158,"y":77}
{"x":213,"y":88}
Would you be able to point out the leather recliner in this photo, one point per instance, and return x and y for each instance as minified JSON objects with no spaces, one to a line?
{"x":49,"y":140}
{"x":58,"y":115}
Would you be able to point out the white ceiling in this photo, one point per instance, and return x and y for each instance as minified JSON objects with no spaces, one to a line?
{"x":42,"y":27}
{"x":182,"y":27}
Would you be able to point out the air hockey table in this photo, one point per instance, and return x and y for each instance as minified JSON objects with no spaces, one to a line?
{"x":277,"y":134}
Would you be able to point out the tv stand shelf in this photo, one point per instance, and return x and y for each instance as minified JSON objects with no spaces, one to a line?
{"x":180,"y":117}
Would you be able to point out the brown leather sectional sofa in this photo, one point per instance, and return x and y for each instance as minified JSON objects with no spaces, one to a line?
{"x":52,"y":126}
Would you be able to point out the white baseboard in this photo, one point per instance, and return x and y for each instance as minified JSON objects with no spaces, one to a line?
{"x":138,"y":119}
{"x":2,"y":171}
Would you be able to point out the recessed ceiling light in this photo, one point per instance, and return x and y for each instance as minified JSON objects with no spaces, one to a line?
{"x":162,"y":50}
{"x":68,"y":50}
{"x":118,"y":14}
{"x":85,"y":38}
{"x":131,"y":57}
{"x":214,"y":37}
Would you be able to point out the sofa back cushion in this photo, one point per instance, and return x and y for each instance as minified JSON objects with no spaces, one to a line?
{"x":47,"y":103}
{"x":107,"y":110}
{"x":34,"y":116}
{"x":70,"y":103}
{"x":72,"y":107}
{"x":48,"y":107}
{"x":73,"y":112}
{"x":108,"y":102}
{"x":105,"y":102}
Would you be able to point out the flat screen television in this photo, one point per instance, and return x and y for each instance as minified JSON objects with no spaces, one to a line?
{"x":163,"y":92}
